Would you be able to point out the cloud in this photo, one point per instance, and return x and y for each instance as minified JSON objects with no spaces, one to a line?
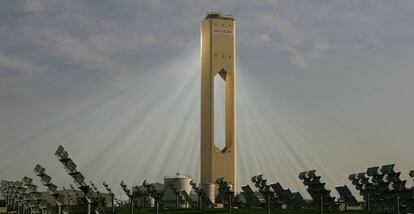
{"x":319,"y":49}
{"x":18,"y":64}
{"x":321,"y":46}
{"x":14,"y":68}
{"x":13,"y":71}
{"x":287,"y":36}
{"x":94,"y":53}
{"x":41,"y":6}
{"x":296,"y":58}
{"x":265,"y":38}
{"x":35,"y":5}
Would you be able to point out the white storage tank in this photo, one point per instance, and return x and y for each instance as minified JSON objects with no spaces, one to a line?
{"x":211,"y":191}
{"x":176,"y":183}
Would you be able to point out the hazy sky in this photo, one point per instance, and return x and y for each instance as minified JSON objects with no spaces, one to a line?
{"x":323,"y":85}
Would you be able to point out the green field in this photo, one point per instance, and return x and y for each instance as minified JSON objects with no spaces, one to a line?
{"x":242,"y":211}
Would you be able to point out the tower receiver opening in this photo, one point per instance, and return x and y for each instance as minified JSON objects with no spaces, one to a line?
{"x":219,"y":111}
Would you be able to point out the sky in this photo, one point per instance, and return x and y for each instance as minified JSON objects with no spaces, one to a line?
{"x":323,"y":84}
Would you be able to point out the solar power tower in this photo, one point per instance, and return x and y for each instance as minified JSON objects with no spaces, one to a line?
{"x":52,"y":188}
{"x":78,"y":179}
{"x":218,"y":53}
{"x":320,"y":195}
{"x":346,"y":196}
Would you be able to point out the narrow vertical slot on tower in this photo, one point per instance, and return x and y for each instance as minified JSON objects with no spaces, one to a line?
{"x":219,"y":112}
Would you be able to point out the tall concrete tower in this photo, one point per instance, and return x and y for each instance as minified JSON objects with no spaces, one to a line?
{"x":218,"y":53}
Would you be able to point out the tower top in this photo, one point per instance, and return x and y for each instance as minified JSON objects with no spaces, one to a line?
{"x":219,"y":15}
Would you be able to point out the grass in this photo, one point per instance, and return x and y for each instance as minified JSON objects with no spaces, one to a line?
{"x":81,"y":210}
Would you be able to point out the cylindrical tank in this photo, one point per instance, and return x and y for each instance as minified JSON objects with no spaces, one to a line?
{"x":211,"y":191}
{"x":174,"y":185}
